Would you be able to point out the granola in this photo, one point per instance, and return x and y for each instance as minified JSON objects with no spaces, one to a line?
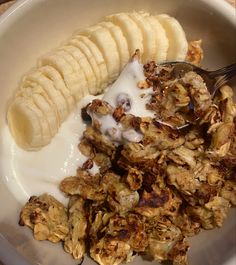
{"x":157,"y":183}
{"x":47,"y":217}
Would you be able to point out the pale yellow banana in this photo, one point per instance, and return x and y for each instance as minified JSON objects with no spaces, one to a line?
{"x":90,"y":58}
{"x":53,"y":94}
{"x":178,"y":45}
{"x":103,"y":39}
{"x":27,"y":124}
{"x":120,"y":40}
{"x":98,"y":56}
{"x":130,"y":30}
{"x":78,"y":73}
{"x":34,"y":92}
{"x":83,"y":65}
{"x":162,"y":42}
{"x":86,"y":64}
{"x":51,"y":73}
{"x":148,"y":33}
{"x":73,"y":82}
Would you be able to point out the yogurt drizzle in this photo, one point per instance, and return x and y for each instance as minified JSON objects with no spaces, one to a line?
{"x":125,"y":92}
{"x":33,"y":173}
{"x":127,"y":84}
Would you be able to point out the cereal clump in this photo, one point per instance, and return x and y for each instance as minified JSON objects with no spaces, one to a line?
{"x":158,"y":183}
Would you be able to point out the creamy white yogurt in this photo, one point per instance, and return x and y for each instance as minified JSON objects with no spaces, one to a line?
{"x":125,"y":92}
{"x":33,"y":173}
{"x":127,"y":84}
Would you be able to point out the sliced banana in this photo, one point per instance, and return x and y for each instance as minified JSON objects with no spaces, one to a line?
{"x":33,"y":91}
{"x":162,"y":42}
{"x":29,"y":87}
{"x":43,"y":105}
{"x":45,"y":129}
{"x":77,"y":71}
{"x":84,"y":65}
{"x":73,"y":82}
{"x":107,"y":45}
{"x":130,"y":30}
{"x":90,"y":58}
{"x":178,"y":45}
{"x":55,"y":96}
{"x":98,"y":57}
{"x":51,"y":73}
{"x":148,"y":32}
{"x":121,"y":41}
{"x":27,"y":124}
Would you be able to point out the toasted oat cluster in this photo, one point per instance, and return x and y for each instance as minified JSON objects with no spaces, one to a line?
{"x":47,"y":217}
{"x":158,"y":183}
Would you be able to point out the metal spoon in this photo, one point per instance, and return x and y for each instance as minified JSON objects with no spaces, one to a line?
{"x":213,"y":79}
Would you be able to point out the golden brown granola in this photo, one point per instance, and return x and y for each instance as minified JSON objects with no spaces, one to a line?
{"x":195,"y":52}
{"x":157,"y":184}
{"x":74,"y":242}
{"x":47,"y":217}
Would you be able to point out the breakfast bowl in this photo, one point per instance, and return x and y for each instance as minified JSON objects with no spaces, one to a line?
{"x":30,"y":29}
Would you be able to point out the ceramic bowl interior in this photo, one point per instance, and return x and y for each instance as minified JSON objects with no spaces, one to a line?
{"x":33,"y":27}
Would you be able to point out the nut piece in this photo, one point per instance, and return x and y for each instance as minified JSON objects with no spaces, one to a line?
{"x":84,"y":114}
{"x":195,"y":52}
{"x":88,"y":164}
{"x":143,"y":84}
{"x":118,"y":113}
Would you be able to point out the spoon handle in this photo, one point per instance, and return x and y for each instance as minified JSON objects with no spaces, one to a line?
{"x":223,"y":75}
{"x":229,"y":69}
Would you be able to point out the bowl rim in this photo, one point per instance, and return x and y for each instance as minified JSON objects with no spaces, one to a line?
{"x":221,"y":6}
{"x":12,"y":14}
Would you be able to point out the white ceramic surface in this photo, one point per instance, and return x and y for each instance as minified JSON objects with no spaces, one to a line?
{"x":32,"y":27}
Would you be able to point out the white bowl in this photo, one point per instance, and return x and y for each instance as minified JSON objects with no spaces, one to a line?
{"x":32,"y":27}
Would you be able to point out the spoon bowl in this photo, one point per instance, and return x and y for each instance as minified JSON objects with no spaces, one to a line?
{"x":213,"y":79}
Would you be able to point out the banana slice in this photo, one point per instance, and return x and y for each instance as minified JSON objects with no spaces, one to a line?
{"x":121,"y":42}
{"x":87,"y":63}
{"x":75,"y":83}
{"x":84,"y":65}
{"x":48,"y":113}
{"x":99,"y":59}
{"x":107,"y":45}
{"x":27,"y":124}
{"x":162,"y":42}
{"x":178,"y":45}
{"x":130,"y":30}
{"x":90,"y":58}
{"x":148,"y":32}
{"x":33,"y":91}
{"x":59,"y":84}
{"x":78,"y":72}
{"x":55,"y":96}
{"x":29,"y":87}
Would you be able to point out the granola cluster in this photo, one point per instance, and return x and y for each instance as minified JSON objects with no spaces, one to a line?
{"x":158,"y":183}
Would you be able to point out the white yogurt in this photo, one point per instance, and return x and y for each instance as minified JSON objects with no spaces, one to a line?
{"x":127,"y":84}
{"x":33,"y":173}
{"x":125,"y":89}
